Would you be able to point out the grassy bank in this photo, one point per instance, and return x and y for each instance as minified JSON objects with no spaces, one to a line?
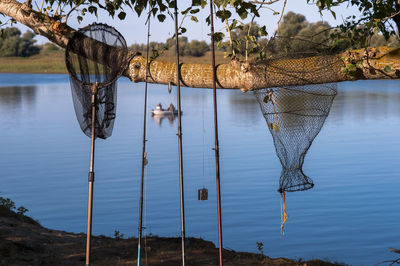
{"x":52,"y":62}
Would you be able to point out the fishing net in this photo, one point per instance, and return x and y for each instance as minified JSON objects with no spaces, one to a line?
{"x":96,"y":56}
{"x":295,"y":116}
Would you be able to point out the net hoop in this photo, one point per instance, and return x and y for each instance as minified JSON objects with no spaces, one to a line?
{"x":81,"y":32}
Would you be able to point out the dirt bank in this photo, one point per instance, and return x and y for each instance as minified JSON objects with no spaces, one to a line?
{"x":23,"y":241}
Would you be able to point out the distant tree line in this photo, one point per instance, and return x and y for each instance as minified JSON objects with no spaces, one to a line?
{"x":13,"y":44}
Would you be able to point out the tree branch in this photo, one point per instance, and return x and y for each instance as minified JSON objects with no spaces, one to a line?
{"x":282,"y":12}
{"x":382,"y":63}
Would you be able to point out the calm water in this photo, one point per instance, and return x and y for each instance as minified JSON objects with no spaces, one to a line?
{"x":351,"y":215}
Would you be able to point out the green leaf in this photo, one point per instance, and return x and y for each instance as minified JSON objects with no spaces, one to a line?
{"x":350,"y":67}
{"x":193,"y":18}
{"x":261,"y":56}
{"x":243,"y":14}
{"x":186,"y":11}
{"x":218,"y":36}
{"x":263,"y":31}
{"x":122,"y":15}
{"x":139,"y":9}
{"x":92,"y":9}
{"x":223,"y":14}
{"x":387,"y":68}
{"x":79,"y":18}
{"x":161,"y":17}
{"x":233,"y":24}
{"x":162,"y":7}
{"x":196,"y":2}
{"x":333,"y":14}
{"x":208,"y":20}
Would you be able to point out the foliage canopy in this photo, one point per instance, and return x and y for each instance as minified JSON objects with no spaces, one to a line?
{"x":242,"y":33}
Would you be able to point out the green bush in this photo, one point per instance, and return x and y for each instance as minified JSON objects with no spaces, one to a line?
{"x":12,"y":44}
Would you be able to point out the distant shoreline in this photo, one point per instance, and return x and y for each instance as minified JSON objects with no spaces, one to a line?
{"x":54,"y":63}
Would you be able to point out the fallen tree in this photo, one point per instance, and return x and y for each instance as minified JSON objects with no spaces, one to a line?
{"x":370,"y":63}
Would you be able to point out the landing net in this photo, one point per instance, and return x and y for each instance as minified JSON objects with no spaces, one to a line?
{"x":96,"y":54}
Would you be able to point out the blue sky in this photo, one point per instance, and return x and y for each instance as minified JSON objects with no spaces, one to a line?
{"x":134,"y":29}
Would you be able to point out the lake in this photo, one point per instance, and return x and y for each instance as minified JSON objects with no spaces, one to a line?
{"x":351,"y":215}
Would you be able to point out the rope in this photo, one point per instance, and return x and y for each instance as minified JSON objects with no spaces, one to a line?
{"x":204,"y":142}
{"x":284,"y":215}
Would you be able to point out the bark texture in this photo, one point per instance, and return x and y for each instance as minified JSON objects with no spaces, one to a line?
{"x":372,"y":63}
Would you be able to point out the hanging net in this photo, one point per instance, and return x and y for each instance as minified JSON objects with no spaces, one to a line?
{"x":96,"y":56}
{"x":294,"y":116}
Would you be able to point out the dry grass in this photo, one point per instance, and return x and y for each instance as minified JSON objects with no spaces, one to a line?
{"x":54,"y":62}
{"x":43,"y":63}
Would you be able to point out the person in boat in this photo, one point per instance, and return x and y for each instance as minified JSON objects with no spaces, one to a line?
{"x":171,"y":108}
{"x":159,"y":106}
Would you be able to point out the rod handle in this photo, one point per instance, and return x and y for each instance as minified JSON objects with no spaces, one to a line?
{"x":91,"y":177}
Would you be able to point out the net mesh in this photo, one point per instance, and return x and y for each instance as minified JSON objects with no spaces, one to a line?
{"x":295,"y":116}
{"x":96,"y":55}
{"x":294,"y":61}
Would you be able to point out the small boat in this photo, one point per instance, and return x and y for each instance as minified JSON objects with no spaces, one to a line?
{"x":159,"y":111}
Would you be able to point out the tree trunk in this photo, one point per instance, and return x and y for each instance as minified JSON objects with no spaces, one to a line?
{"x":373,"y":63}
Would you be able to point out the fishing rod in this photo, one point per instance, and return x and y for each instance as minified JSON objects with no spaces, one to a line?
{"x":144,"y":154}
{"x":216,"y":147}
{"x":178,"y":88}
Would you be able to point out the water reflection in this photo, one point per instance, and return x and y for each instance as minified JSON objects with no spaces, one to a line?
{"x":243,"y":106}
{"x":358,"y":101}
{"x":362,"y":101}
{"x":14,"y":97}
{"x":159,"y":119}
